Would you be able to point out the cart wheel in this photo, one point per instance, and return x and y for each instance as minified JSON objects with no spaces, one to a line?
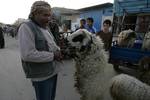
{"x":116,"y":67}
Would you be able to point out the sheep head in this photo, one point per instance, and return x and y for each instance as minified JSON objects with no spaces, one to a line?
{"x":79,"y":41}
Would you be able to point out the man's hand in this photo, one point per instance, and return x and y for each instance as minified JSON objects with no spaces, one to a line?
{"x":57,"y":56}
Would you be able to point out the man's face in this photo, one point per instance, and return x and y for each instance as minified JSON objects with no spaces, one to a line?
{"x":82,"y":22}
{"x":43,"y":17}
{"x":89,"y":22}
{"x":106,"y":26}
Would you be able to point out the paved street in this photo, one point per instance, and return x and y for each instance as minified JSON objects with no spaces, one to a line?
{"x":14,"y":85}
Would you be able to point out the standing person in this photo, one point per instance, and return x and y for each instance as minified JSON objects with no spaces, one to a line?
{"x":39,"y":51}
{"x":90,"y":26}
{"x":106,"y":35}
{"x":82,"y":24}
{"x":2,"y":40}
{"x":54,"y":28}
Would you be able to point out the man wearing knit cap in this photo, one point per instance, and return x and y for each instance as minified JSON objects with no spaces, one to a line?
{"x":39,"y":52}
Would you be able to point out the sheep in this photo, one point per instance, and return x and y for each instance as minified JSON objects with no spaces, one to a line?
{"x":93,"y":72}
{"x":125,"y":87}
{"x":146,"y":42}
{"x":127,"y":38}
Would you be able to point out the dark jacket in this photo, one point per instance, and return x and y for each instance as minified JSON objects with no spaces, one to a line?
{"x":54,"y":28}
{"x":106,"y":38}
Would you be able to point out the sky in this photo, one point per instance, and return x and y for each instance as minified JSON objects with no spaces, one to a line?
{"x":11,"y":10}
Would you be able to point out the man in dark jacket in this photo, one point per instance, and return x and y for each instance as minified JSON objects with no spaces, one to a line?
{"x":106,"y":35}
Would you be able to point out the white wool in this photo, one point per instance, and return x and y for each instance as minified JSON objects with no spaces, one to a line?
{"x":92,"y":69}
{"x":125,"y":87}
{"x":124,"y":39}
{"x":93,"y":73}
{"x":146,"y":42}
{"x":78,"y":32}
{"x":123,"y":34}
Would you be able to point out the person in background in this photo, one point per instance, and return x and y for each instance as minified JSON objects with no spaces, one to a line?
{"x":39,"y":51}
{"x":65,"y":28}
{"x":90,"y":26}
{"x":2,"y":40}
{"x":54,"y":28}
{"x":82,"y":24}
{"x":106,"y":35}
{"x":65,"y":31}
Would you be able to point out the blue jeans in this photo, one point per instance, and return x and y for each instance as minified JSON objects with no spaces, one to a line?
{"x":45,"y":90}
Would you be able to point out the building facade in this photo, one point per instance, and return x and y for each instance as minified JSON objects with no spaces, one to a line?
{"x":99,"y":13}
